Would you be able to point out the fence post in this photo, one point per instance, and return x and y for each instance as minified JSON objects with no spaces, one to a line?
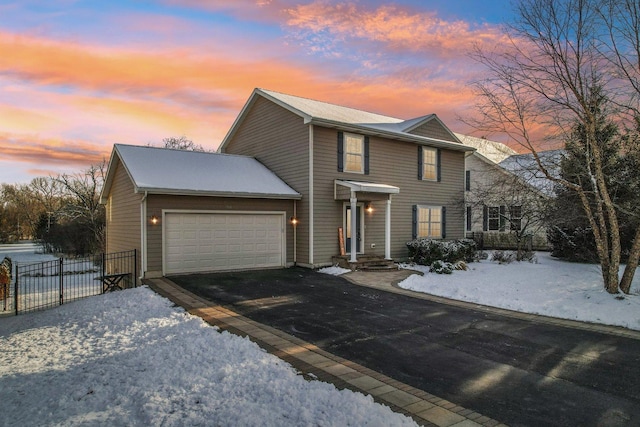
{"x":15,"y":291}
{"x":135,"y":268}
{"x":61,"y":270}
{"x":102,"y":261}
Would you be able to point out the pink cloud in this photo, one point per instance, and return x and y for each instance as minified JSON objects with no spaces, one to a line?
{"x":395,"y":27}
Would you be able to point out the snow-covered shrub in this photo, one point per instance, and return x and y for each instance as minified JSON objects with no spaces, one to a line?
{"x":503,"y":257}
{"x":425,"y":251}
{"x":441,"y":267}
{"x":527,"y":256}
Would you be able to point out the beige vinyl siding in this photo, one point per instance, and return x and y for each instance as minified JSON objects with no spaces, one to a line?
{"x":123,"y":213}
{"x":280,"y":140}
{"x":157,"y":203}
{"x":433,"y":129}
{"x":394,"y":163}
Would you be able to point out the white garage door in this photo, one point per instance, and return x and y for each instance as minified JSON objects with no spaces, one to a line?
{"x":197,"y":242}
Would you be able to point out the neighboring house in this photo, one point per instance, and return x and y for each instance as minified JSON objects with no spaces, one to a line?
{"x":506,"y":196}
{"x":402,"y":178}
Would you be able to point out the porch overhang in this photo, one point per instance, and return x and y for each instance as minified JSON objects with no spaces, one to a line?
{"x":352,"y":190}
{"x":367,"y":187}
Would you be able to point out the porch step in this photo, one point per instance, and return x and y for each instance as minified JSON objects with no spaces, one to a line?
{"x":365,"y":263}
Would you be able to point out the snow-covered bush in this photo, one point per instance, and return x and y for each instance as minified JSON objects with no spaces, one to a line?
{"x":507,"y":257}
{"x":441,"y":267}
{"x":503,"y":257}
{"x":425,"y":251}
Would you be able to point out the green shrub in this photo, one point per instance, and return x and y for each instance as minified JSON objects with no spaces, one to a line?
{"x":441,"y":267}
{"x":426,"y":251}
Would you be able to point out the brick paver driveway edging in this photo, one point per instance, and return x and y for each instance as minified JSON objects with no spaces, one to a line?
{"x":518,"y":371}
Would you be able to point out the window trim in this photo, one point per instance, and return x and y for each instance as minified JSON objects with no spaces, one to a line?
{"x":425,"y":164}
{"x":429,"y":222}
{"x":496,"y":210}
{"x":346,"y":153}
{"x":513,"y":218}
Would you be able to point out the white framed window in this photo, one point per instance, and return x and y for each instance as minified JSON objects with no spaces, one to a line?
{"x":429,"y":163}
{"x":353,"y":153}
{"x":493,"y":218}
{"x":515,"y":218}
{"x":429,"y":221}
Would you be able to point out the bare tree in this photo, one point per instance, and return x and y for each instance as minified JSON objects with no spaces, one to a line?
{"x":515,"y":197}
{"x":84,"y":203}
{"x":558,"y":73}
{"x":181,"y":143}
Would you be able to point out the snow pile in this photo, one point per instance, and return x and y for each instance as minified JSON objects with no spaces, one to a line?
{"x":130,"y":358}
{"x":334,"y":270}
{"x":550,"y":287}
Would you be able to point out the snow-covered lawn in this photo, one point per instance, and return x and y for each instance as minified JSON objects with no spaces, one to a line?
{"x":550,"y":287}
{"x":131,"y":358}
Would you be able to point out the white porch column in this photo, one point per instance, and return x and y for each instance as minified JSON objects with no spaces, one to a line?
{"x":354,"y":226}
{"x":387,"y":229}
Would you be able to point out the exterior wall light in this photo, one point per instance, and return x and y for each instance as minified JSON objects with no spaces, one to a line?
{"x":369,"y":208}
{"x":154,"y":220}
{"x":293,"y":220}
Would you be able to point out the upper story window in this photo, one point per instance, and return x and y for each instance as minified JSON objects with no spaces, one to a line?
{"x":428,"y":163}
{"x":353,"y":153}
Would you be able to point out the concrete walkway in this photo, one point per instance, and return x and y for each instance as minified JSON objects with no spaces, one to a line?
{"x":315,"y":363}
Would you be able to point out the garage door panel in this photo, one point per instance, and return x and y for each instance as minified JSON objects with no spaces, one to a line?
{"x":222,"y":241}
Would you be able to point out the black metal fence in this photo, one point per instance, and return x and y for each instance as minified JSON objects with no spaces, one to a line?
{"x":43,"y":285}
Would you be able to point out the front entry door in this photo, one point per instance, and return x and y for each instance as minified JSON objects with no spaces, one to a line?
{"x":359,"y":231}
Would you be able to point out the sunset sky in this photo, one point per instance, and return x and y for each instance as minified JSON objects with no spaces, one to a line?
{"x":78,"y":76}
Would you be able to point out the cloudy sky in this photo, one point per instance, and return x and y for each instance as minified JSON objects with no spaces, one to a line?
{"x":78,"y":76}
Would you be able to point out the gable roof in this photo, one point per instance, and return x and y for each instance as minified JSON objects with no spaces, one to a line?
{"x":166,"y":171}
{"x":348,"y":119}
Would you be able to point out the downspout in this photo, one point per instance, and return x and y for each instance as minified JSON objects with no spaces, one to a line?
{"x":143,"y":236}
{"x":311,"y":230}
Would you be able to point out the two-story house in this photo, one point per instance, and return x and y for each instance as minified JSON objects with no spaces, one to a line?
{"x":341,"y":180}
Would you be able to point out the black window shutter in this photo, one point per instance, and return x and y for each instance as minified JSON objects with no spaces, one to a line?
{"x":414,"y":222}
{"x":444,"y":222}
{"x":469,"y":219}
{"x":467,"y":181}
{"x":438,"y":164}
{"x":340,"y":152}
{"x":420,"y":162}
{"x":366,"y":155}
{"x":502,"y":217}
{"x":485,"y":218}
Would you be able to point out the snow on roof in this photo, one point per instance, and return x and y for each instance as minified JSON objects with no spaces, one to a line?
{"x":166,"y":171}
{"x":526,"y":167}
{"x":492,"y":150}
{"x":331,"y":114}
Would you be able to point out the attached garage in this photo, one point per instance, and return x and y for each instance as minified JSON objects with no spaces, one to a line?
{"x":214,"y":241}
{"x":193,"y":212}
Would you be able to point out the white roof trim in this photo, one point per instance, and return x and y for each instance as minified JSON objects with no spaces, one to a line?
{"x":368,"y":187}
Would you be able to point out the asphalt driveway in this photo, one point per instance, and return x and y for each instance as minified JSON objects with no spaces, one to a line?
{"x":516,"y":371}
